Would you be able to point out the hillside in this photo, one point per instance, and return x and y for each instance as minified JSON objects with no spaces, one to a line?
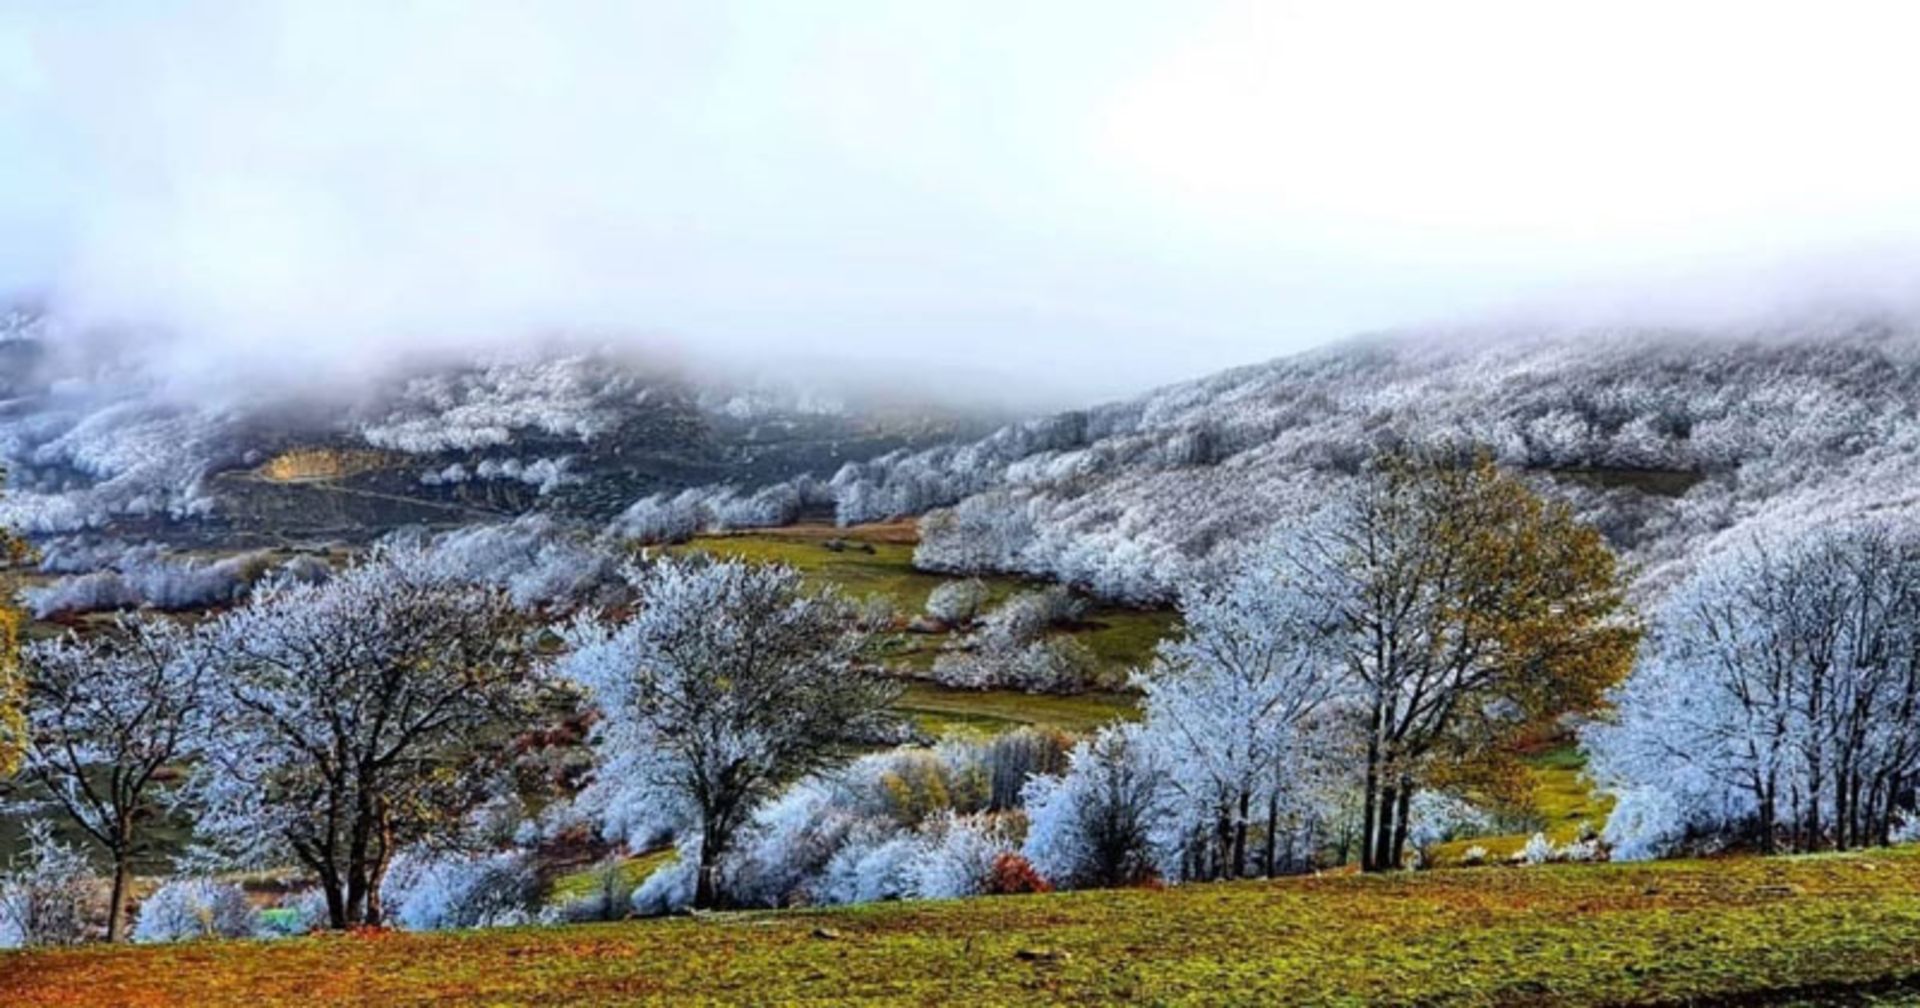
{"x":1812,"y":930}
{"x":1664,"y":439}
{"x":96,"y":445}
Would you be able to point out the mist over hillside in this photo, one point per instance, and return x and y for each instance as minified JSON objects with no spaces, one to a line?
{"x":1668,"y":440}
{"x":96,"y":444}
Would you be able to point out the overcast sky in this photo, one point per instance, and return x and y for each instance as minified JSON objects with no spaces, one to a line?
{"x":1078,"y":198}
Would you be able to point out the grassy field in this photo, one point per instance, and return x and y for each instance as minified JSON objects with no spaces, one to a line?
{"x":1563,"y":799}
{"x":878,"y":560}
{"x":1810,"y":930}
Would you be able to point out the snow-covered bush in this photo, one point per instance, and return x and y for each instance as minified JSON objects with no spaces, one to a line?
{"x":1474,"y":855}
{"x":1646,"y":823}
{"x":669,"y":888}
{"x":1580,"y":851}
{"x":45,"y":896}
{"x":436,"y":892}
{"x":1012,"y":649}
{"x":1100,"y":823}
{"x":192,"y":908}
{"x":1538,"y":850}
{"x":958,"y":855}
{"x":147,"y":577}
{"x":876,"y":863}
{"x":957,"y":603}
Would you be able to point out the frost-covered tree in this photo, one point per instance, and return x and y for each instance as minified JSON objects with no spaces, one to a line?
{"x":1462,"y":608}
{"x":357,"y":717}
{"x":1098,"y":823}
{"x":13,"y":720}
{"x":113,"y":713}
{"x":728,"y":683}
{"x":1235,"y":707}
{"x":1779,"y":700}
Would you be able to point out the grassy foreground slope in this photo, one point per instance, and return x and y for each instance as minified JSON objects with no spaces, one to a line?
{"x":1773,"y":931}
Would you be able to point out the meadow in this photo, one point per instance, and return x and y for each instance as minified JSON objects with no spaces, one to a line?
{"x":1820,"y":929}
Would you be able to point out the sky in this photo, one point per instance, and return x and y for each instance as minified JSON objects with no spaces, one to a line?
{"x":1050,"y":200}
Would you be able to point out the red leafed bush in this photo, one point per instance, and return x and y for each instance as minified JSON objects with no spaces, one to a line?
{"x":1014,"y":874}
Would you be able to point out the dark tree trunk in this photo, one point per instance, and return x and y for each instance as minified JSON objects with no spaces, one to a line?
{"x":117,"y":901}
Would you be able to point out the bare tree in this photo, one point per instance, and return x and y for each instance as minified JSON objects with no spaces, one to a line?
{"x":1464,"y":609}
{"x":112,"y":714}
{"x":729,"y":683}
{"x":359,"y":716}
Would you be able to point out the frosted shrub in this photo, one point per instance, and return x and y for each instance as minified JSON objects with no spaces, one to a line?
{"x":957,"y":603}
{"x":958,"y":856}
{"x":193,"y":908}
{"x":1538,"y":851}
{"x":1580,"y":852}
{"x":427,"y":892}
{"x":1906,"y":829}
{"x":1096,"y":824}
{"x":1438,"y":818}
{"x":1048,"y":665}
{"x":1646,"y":823}
{"x":44,"y":899}
{"x":876,"y":863}
{"x":670,"y":888}
{"x":789,"y":842}
{"x":875,"y":614}
{"x":1475,"y":855}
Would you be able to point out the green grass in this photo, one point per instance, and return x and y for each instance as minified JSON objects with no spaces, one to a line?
{"x":1563,"y":798}
{"x":941,"y":711}
{"x":1788,"y":930}
{"x":880,"y":562}
{"x":633,"y":871}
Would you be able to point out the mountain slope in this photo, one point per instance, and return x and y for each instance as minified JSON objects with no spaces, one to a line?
{"x":95,"y":444}
{"x":1665,"y":440}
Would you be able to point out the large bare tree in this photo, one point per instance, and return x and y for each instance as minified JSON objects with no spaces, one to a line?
{"x":1465,"y":609}
{"x":358,"y":716}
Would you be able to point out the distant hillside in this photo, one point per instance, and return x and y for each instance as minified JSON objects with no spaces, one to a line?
{"x":1663,"y":439}
{"x":95,"y":447}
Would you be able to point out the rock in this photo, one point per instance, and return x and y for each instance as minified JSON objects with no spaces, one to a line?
{"x":826,"y":934}
{"x":1040,"y":955}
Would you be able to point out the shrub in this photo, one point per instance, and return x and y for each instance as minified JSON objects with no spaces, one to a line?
{"x":1012,"y":875}
{"x":427,"y":892}
{"x":957,"y":603}
{"x":959,"y":855}
{"x":1646,"y":823}
{"x":669,"y":889}
{"x":44,"y":899}
{"x":875,"y":863}
{"x":192,"y":908}
{"x":1539,"y":850}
